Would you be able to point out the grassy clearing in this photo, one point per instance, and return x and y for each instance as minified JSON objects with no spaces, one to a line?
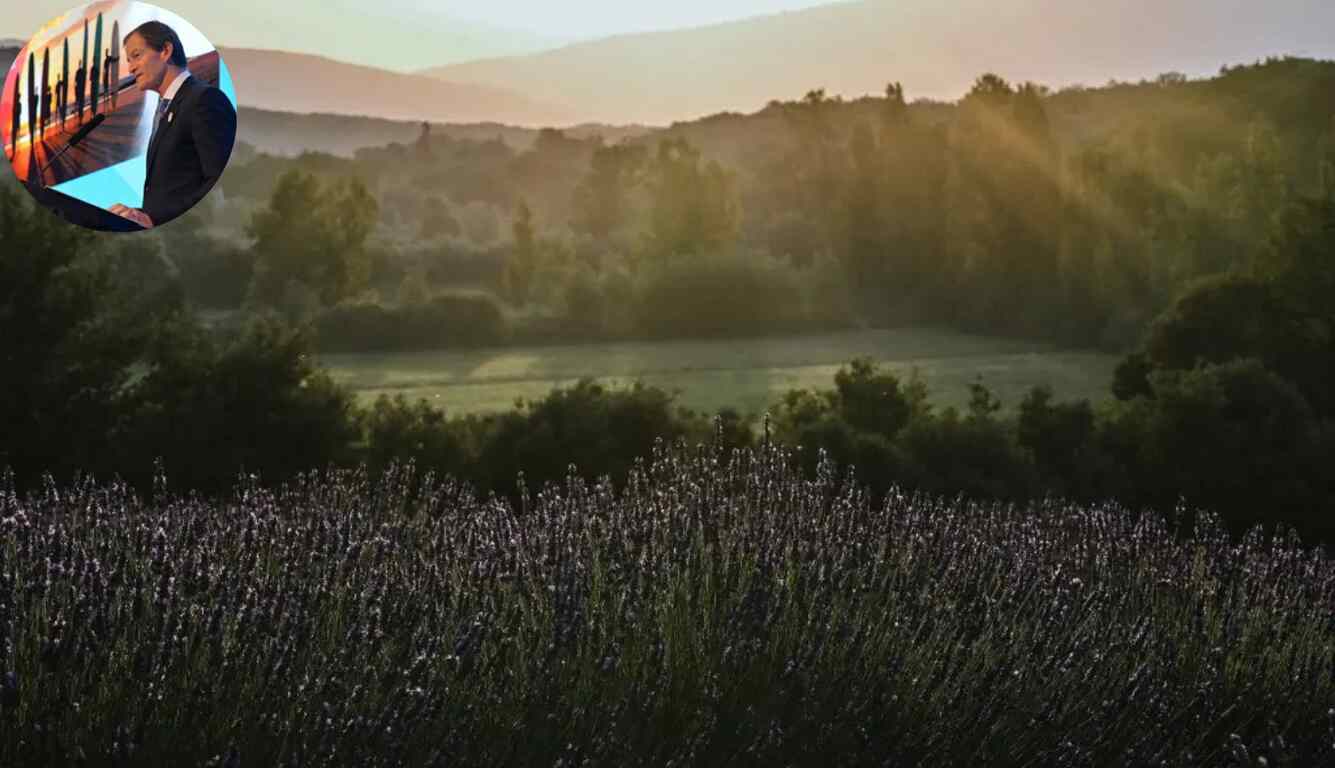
{"x":747,"y":374}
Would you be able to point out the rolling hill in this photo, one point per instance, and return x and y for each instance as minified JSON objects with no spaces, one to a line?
{"x":304,"y":83}
{"x":294,"y":82}
{"x":935,"y":49}
{"x":287,"y":133}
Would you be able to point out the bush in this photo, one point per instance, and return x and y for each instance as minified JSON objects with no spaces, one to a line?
{"x":214,"y":274}
{"x":977,"y":457}
{"x":1234,"y":438}
{"x":585,"y":306}
{"x":872,"y":401}
{"x":1232,"y":317}
{"x":713,"y":297}
{"x":1061,"y":438}
{"x":255,"y":402}
{"x":397,"y":431}
{"x":442,"y":322}
{"x":596,"y":430}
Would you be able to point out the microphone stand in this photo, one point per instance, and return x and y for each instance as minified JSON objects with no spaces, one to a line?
{"x":41,"y":174}
{"x":78,"y":137}
{"x":82,"y":134}
{"x":72,"y":209}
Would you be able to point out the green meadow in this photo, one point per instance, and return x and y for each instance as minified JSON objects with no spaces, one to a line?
{"x":745,"y":374}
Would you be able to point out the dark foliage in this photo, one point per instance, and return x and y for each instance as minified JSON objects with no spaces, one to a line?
{"x":718,"y":297}
{"x":441,"y":322}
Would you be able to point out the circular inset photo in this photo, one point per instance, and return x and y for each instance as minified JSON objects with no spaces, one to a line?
{"x":118,"y":116}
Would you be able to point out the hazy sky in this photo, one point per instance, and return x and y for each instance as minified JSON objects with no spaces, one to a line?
{"x":565,"y":19}
{"x":586,"y":18}
{"x":409,"y":35}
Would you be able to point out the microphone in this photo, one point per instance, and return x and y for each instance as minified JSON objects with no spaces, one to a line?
{"x":79,"y":136}
{"x":87,"y":128}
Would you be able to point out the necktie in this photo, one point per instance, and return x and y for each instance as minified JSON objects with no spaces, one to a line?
{"x":157,"y":120}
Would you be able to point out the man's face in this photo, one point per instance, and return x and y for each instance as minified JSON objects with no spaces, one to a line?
{"x":147,"y":65}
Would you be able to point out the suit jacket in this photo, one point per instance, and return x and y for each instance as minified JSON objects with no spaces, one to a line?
{"x":189,"y":151}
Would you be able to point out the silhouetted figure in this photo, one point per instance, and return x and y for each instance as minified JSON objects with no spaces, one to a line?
{"x":94,"y":80}
{"x":32,"y":102}
{"x":63,"y":85}
{"x":95,"y":67}
{"x":18,"y":115}
{"x":43,"y":101}
{"x":80,"y":78}
{"x":83,"y":70}
{"x":107,"y":82}
{"x":46,"y":110}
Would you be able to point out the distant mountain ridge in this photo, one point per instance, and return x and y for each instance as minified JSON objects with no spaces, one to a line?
{"x":1295,"y":97}
{"x":295,"y":82}
{"x":286,"y":133}
{"x":304,"y":83}
{"x":397,"y":35}
{"x":935,"y":49}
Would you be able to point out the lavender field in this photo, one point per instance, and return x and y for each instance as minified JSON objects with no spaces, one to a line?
{"x":719,"y":609}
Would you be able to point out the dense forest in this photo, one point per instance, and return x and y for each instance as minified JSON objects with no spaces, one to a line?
{"x":1187,"y":225}
{"x":1097,"y":206}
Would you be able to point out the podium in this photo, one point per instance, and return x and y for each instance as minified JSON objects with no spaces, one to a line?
{"x":76,"y":211}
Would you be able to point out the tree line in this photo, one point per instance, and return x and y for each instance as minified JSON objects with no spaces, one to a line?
{"x":1225,"y":405}
{"x":1076,"y":216}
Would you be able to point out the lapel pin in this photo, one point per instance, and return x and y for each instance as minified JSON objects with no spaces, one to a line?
{"x":170,"y":115}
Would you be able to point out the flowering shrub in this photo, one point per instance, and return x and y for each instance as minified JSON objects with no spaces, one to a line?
{"x":719,"y":609}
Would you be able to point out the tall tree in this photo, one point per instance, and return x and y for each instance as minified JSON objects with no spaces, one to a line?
{"x":78,"y":315}
{"x":818,"y":166}
{"x":693,"y":208}
{"x":913,"y":164}
{"x":522,"y":262}
{"x":601,"y":201}
{"x":1006,"y":201}
{"x":312,"y":235}
{"x":864,"y":237}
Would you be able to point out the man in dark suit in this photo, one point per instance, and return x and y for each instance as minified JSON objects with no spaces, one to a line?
{"x":194,"y":127}
{"x":62,"y":95}
{"x":106,"y":77}
{"x":94,"y":80}
{"x":80,"y":79}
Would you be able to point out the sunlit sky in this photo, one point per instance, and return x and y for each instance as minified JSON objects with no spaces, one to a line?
{"x":567,"y":19}
{"x":409,"y":35}
{"x":588,"y":18}
{"x":129,"y":14}
{"x":1043,"y":39}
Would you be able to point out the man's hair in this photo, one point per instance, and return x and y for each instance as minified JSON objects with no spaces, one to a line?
{"x":156,"y":36}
